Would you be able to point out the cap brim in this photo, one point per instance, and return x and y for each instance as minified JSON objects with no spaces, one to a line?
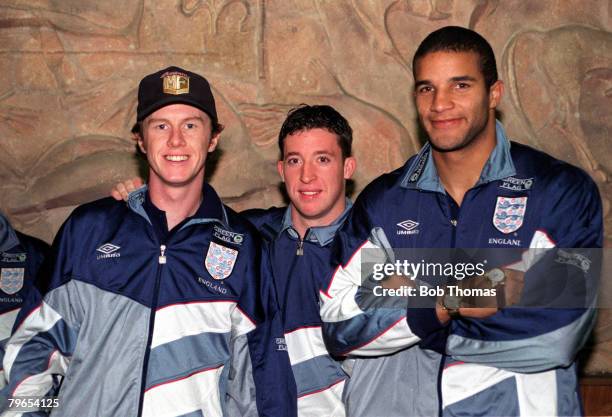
{"x":166,"y":101}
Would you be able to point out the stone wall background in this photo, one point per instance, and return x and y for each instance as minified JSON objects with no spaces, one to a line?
{"x":70,"y":68}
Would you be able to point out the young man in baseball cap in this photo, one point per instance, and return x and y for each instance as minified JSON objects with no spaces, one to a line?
{"x":148,"y":301}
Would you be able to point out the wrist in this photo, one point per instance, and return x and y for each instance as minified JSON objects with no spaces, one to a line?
{"x":451,"y":304}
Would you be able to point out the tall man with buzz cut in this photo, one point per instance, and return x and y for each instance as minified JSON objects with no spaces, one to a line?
{"x":456,"y":193}
{"x":146,"y":301}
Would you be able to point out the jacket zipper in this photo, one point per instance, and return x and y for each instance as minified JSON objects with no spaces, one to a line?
{"x":162,"y":254}
{"x":161,"y":260}
{"x":294,"y":264}
{"x":454,"y":217}
{"x":300,"y":247}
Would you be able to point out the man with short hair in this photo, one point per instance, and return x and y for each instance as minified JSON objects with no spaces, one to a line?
{"x":469,"y":187}
{"x":315,"y":144}
{"x":146,"y":301}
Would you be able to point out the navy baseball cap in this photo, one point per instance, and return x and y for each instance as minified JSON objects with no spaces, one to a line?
{"x":174,"y":85}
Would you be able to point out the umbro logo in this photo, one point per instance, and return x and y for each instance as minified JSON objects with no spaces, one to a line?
{"x":408,"y":227}
{"x":108,"y":250}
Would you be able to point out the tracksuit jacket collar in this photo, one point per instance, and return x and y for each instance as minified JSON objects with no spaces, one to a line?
{"x":422,"y":173}
{"x":8,"y":237}
{"x":211,"y":209}
{"x":321,"y":235}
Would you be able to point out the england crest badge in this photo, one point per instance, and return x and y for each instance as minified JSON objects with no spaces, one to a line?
{"x":509,"y":213}
{"x":11,"y":280}
{"x":220,"y":260}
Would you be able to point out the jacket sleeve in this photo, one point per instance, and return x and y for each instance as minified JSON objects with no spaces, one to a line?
{"x":355,"y":321}
{"x":36,"y":251}
{"x":558,"y":297}
{"x":276,"y":388}
{"x":46,"y":329}
{"x":260,"y":374}
{"x":248,"y":313}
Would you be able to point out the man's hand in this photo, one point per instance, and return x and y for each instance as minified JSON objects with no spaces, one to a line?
{"x":396,"y":282}
{"x":121,"y":190}
{"x":479,"y":307}
{"x":515,"y":281}
{"x":477,"y":312}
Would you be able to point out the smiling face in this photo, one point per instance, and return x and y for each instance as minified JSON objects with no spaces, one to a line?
{"x":315,"y":174}
{"x":455,"y":108}
{"x":176,"y":140}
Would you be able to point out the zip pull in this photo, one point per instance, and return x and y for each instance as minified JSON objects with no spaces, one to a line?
{"x":300,"y":248}
{"x":162,"y":256}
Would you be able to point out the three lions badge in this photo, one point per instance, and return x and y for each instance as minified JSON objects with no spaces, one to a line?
{"x":11,"y":280}
{"x":220,"y":260}
{"x":509,"y":213}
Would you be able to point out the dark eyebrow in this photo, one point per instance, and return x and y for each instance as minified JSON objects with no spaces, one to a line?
{"x":463,"y":78}
{"x":187,"y":120}
{"x":459,"y":78}
{"x":421,"y":82}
